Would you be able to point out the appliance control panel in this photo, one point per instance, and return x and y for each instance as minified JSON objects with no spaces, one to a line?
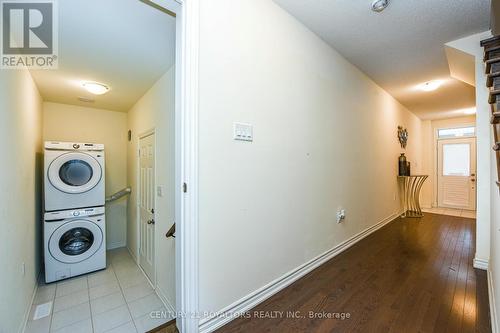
{"x":56,"y":145}
{"x":73,"y":213}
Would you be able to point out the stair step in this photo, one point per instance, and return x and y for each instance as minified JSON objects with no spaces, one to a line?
{"x":492,"y":79}
{"x":489,"y":50}
{"x":490,"y":63}
{"x":495,"y":118}
{"x":493,"y":96}
{"x":488,"y":42}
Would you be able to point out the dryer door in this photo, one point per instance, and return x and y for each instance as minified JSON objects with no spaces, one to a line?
{"x":75,"y":241}
{"x":74,"y":172}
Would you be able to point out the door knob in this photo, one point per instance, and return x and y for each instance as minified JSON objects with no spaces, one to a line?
{"x":152,"y":221}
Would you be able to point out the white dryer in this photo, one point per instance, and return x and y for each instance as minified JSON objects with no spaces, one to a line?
{"x":74,"y":242}
{"x":74,"y":175}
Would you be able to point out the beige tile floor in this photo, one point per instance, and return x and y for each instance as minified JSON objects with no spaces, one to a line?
{"x":118,"y":299}
{"x":453,"y":212}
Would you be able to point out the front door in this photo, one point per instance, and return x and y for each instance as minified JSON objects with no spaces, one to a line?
{"x":147,"y":204}
{"x":457,"y":173}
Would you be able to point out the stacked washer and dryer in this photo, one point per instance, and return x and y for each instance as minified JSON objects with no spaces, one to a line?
{"x":74,"y":219}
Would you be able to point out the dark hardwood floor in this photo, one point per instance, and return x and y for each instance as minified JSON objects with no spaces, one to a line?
{"x":413,"y":275}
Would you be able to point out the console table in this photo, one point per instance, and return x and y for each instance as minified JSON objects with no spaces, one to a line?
{"x":411,"y":194}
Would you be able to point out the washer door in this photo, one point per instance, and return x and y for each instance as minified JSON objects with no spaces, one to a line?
{"x":75,"y":241}
{"x":74,"y":173}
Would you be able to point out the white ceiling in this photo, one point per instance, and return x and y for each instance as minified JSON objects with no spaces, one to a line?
{"x":123,"y":43}
{"x":401,"y":46}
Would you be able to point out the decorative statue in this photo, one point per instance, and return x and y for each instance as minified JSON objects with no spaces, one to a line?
{"x":402,"y":136}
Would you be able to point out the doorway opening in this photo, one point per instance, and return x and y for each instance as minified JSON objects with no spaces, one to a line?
{"x":456,"y":169}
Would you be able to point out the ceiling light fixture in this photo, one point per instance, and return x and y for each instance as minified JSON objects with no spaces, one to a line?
{"x":431,"y":85}
{"x":379,"y":5}
{"x":95,"y":88}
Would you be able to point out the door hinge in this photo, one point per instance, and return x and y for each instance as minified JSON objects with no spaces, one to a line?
{"x":184,"y":187}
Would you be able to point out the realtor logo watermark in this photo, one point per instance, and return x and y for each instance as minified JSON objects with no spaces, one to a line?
{"x":29,"y":34}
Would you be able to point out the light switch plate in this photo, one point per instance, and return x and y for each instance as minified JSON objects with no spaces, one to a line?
{"x":243,"y":132}
{"x":159,"y":190}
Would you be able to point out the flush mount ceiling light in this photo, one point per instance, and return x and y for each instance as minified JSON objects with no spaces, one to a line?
{"x":379,"y":5}
{"x":431,"y":85}
{"x":95,"y":88}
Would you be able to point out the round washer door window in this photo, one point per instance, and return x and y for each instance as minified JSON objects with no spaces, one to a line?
{"x":74,"y":173}
{"x":75,"y":241}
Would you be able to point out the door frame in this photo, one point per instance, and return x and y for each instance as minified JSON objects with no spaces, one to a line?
{"x":186,"y":159}
{"x":137,"y":203}
{"x":474,"y":139}
{"x":435,"y":173}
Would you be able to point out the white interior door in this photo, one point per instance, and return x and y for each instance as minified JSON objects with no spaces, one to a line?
{"x":457,"y":173}
{"x":147,"y":205}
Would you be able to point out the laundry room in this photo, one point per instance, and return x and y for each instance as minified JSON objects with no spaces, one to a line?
{"x":100,"y":127}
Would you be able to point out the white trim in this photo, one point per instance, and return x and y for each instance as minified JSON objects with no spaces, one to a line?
{"x":251,"y":300}
{"x":480,"y":263}
{"x":132,"y":255}
{"x":186,"y":208}
{"x":116,"y":245}
{"x":163,"y":297}
{"x":491,"y":297}
{"x":26,"y":318}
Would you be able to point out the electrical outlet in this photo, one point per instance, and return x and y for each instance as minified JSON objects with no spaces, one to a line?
{"x":340,"y":215}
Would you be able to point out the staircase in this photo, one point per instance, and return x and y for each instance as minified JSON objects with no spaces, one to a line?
{"x":492,"y":61}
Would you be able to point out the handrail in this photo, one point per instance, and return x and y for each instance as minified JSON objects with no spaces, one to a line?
{"x":119,"y":194}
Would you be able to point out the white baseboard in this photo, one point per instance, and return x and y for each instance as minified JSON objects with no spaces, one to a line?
{"x":132,"y":254}
{"x":480,"y":263}
{"x":22,"y":328}
{"x":160,"y":292}
{"x":115,"y":245}
{"x":493,"y":312}
{"x":163,"y":296}
{"x":248,"y":302}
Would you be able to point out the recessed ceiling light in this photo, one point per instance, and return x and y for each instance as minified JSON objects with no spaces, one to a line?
{"x":95,"y":88}
{"x":431,"y":85}
{"x":379,"y":5}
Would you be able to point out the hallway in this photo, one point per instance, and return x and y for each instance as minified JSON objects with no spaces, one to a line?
{"x":413,"y":275}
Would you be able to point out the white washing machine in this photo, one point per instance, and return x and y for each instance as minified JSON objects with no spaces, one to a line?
{"x":74,"y":242}
{"x":74,"y":175}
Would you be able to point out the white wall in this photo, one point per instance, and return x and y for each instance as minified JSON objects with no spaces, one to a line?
{"x":63,"y":122}
{"x":488,"y":214}
{"x":155,"y":110}
{"x":494,"y":264}
{"x":428,"y":197}
{"x":20,"y":195}
{"x":325,"y":137}
{"x":471,"y":46}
